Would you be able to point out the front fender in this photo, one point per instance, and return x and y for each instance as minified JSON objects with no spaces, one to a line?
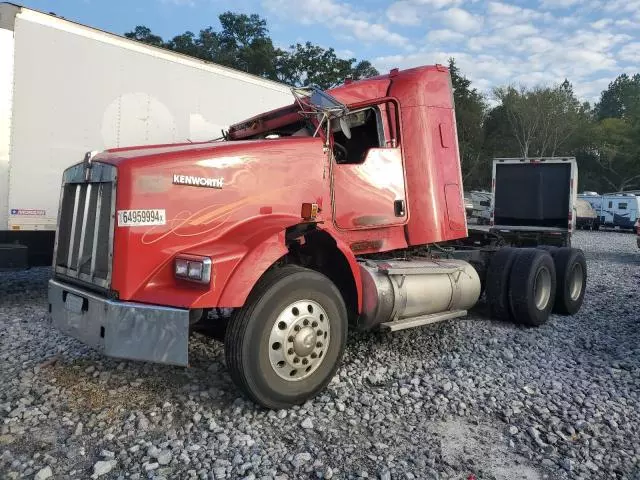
{"x":355,"y":270}
{"x":239,"y":257}
{"x":260,"y":258}
{"x":249,"y":270}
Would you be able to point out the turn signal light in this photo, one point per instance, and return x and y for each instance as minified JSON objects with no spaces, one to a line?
{"x":309,"y":211}
{"x":194,"y":269}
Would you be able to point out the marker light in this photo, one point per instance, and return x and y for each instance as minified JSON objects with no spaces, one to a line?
{"x":182,"y":267}
{"x":192,"y":268}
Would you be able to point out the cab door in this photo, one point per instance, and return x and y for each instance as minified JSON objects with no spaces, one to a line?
{"x":368,"y":172}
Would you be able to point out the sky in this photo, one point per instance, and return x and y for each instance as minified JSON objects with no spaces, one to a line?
{"x":520,"y":42}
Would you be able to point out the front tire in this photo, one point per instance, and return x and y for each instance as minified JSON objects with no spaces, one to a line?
{"x":284,"y":346}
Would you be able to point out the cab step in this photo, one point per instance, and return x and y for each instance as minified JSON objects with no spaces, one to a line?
{"x":421,"y":320}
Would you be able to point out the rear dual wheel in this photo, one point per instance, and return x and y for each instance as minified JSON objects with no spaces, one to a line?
{"x":532,"y":286}
{"x":284,"y":346}
{"x":527,"y":284}
{"x":521,"y":285}
{"x":571,"y":270}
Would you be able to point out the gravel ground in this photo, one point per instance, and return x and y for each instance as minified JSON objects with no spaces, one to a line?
{"x":449,"y":401}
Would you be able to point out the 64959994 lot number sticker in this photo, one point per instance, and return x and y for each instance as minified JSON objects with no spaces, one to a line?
{"x":141,"y":218}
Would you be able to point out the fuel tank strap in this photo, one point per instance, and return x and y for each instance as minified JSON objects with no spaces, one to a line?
{"x":417,"y":267}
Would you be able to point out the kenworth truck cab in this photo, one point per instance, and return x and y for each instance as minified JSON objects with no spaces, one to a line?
{"x":342,"y":210}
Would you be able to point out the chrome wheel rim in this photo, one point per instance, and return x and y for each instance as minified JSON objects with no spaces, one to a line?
{"x":576,"y":282}
{"x":299,"y":339}
{"x":542,"y":288}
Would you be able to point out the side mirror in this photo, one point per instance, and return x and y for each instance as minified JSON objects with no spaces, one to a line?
{"x":344,"y":126}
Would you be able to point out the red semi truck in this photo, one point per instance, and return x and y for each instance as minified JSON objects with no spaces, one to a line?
{"x":342,"y":210}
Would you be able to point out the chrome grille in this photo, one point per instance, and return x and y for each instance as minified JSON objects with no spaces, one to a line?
{"x":84,"y":241}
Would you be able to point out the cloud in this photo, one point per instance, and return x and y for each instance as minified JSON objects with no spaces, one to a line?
{"x":339,"y":16}
{"x":403,"y":13}
{"x":180,"y":3}
{"x":413,"y":12}
{"x":509,"y":11}
{"x":631,"y":53}
{"x":627,"y":24}
{"x":496,"y":42}
{"x":461,"y":20}
{"x":602,"y":23}
{"x":371,"y":32}
{"x":558,"y":4}
{"x":444,"y":36}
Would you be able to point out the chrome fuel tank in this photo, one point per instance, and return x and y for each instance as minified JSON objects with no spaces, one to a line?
{"x":399,"y":289}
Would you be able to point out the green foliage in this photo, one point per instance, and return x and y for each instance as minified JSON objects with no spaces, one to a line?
{"x":470,"y":112}
{"x":621,"y":99}
{"x":243,"y":43}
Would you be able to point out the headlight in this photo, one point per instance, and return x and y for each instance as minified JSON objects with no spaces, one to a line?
{"x":192,"y":268}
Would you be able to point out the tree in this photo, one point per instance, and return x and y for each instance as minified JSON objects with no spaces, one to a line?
{"x":542,"y":119}
{"x":306,"y":64}
{"x":470,"y":108}
{"x":363,"y":69}
{"x":186,"y":44}
{"x":618,"y":153}
{"x":621,"y":99}
{"x":243,"y":43}
{"x":143,"y":34}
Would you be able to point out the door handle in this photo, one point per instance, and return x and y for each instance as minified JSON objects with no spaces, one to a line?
{"x":398,"y":208}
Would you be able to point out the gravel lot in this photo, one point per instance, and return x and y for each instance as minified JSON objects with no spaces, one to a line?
{"x":448,"y":401}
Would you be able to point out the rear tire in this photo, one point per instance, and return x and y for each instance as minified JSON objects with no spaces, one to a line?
{"x":532,"y":286}
{"x":497,"y":283}
{"x":549,"y":248}
{"x":571,"y":268}
{"x":284,"y":346}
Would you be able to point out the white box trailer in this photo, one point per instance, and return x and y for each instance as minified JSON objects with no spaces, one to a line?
{"x":534,"y":199}
{"x":66,"y":89}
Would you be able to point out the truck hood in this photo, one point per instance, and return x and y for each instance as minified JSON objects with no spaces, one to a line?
{"x":217,"y":199}
{"x":117,"y":156}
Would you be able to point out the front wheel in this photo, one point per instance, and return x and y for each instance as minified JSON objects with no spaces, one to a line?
{"x":284,"y":346}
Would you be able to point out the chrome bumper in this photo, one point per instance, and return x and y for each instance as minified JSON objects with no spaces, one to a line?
{"x":121,"y":329}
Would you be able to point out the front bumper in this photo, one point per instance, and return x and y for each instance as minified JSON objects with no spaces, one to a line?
{"x":128,"y":330}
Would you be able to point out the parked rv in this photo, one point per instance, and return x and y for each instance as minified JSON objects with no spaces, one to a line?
{"x":481,"y":206}
{"x":586,"y":217}
{"x":66,"y":89}
{"x":468,"y":206}
{"x":615,"y":210}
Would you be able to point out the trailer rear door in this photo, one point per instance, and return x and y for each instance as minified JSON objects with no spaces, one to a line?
{"x":535,"y":193}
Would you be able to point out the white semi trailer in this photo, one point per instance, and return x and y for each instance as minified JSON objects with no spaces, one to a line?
{"x":66,"y":89}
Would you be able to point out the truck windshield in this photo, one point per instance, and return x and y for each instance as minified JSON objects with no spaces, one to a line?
{"x":319,"y":101}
